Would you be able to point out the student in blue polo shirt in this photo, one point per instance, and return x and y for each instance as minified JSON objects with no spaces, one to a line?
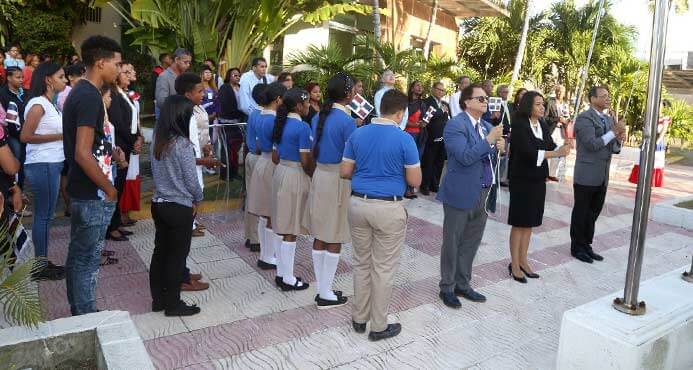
{"x":291,"y":182}
{"x":329,"y":193}
{"x":259,"y":199}
{"x":381,"y":160}
{"x":251,"y":221}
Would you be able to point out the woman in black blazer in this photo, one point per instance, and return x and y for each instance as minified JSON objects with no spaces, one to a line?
{"x":229,"y":112}
{"x":531,"y":145}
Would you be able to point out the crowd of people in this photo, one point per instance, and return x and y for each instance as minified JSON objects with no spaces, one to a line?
{"x":312,"y":167}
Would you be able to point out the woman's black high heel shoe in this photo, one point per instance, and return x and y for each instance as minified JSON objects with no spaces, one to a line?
{"x":529,"y":275}
{"x":518,"y":279}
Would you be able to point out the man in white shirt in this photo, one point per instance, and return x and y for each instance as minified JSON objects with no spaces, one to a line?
{"x":257,"y":74}
{"x":455,"y":108}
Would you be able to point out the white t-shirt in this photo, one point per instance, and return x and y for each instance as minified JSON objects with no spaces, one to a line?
{"x":194,"y":138}
{"x":50,"y":123}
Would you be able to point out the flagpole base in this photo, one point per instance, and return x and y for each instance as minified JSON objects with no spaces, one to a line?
{"x":621,"y":306}
{"x":688,"y":276}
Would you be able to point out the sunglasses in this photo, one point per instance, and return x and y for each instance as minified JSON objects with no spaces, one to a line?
{"x":480,"y":99}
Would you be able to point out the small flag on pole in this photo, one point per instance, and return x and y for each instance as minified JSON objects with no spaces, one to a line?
{"x":495,"y":104}
{"x":429,"y":114}
{"x":360,"y":106}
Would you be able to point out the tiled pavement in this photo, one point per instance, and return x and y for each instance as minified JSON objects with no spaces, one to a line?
{"x":247,"y":323}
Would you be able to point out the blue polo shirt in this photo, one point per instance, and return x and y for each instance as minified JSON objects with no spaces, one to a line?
{"x":264,"y":127}
{"x":338,"y":127}
{"x":296,"y":139}
{"x":251,"y":131}
{"x":381,"y":151}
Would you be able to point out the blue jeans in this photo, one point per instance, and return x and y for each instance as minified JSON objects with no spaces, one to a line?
{"x":90,"y":219}
{"x":19,"y":151}
{"x":44,"y":179}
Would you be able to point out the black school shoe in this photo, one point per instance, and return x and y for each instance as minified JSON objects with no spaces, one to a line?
{"x":359,"y":328}
{"x":266,"y":266}
{"x":324,"y":304}
{"x":299,"y":285}
{"x":182,"y":309}
{"x":338,"y":293}
{"x":392,"y":330}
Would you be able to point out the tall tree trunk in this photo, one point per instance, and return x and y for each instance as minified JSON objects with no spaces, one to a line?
{"x":376,"y":19}
{"x":376,"y":27}
{"x":520,"y":50}
{"x":427,"y":43}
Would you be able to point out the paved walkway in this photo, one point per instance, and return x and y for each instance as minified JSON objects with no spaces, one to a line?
{"x":247,"y":323}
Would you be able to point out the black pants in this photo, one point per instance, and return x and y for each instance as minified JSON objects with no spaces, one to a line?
{"x":432,"y":165}
{"x":119,"y":184}
{"x":173,"y":223}
{"x":589,"y":201}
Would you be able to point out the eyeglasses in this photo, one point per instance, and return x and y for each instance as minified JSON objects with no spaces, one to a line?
{"x":480,"y":99}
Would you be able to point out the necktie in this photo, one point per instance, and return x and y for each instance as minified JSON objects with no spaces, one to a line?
{"x":487,"y":179}
{"x":601,"y":118}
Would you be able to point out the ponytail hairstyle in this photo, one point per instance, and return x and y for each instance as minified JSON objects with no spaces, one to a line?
{"x":259,"y":94}
{"x":293,"y":98}
{"x":339,"y":87}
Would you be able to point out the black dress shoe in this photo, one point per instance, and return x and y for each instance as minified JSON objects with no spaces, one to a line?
{"x":392,"y":330}
{"x":471,"y":295}
{"x":434,"y":189}
{"x":126,"y":233}
{"x":157,"y":307}
{"x":424,"y":191}
{"x":450,"y":300}
{"x":182,"y":309}
{"x":359,"y":328}
{"x":266,"y":266}
{"x":530,"y":275}
{"x":279,"y":281}
{"x":254,"y":247}
{"x":522,"y":279}
{"x":247,"y":243}
{"x":298,"y":285}
{"x":595,"y":256}
{"x":583,"y":256}
{"x":324,"y":304}
{"x":338,"y":293}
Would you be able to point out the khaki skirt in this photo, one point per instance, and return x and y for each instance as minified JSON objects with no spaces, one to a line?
{"x":260,"y":189}
{"x":290,"y":187}
{"x":329,"y":205}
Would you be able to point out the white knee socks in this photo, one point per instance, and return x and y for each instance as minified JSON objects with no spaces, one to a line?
{"x":288,"y":250}
{"x":329,"y":268}
{"x":318,"y":257}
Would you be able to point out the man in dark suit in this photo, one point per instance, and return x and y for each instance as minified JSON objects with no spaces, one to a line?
{"x":434,"y":154}
{"x":472,"y":146}
{"x":597,"y":137}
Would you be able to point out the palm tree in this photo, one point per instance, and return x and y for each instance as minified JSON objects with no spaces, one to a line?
{"x":19,"y":296}
{"x":232,"y":30}
{"x":427,"y":43}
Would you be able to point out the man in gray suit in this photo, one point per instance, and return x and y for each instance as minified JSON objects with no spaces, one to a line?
{"x":597,"y":137}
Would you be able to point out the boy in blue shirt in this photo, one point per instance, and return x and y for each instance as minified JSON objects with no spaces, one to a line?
{"x":381,"y":160}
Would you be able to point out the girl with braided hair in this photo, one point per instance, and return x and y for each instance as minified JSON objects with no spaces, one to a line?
{"x":329,"y":193}
{"x":259,"y":197}
{"x":291,"y":182}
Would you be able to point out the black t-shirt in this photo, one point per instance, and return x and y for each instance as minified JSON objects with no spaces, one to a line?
{"x":84,"y":107}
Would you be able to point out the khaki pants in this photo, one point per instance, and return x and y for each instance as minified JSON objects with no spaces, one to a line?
{"x":250,"y":219}
{"x":378,"y":229}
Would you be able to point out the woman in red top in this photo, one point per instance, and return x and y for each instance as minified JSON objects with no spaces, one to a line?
{"x":31,"y":62}
{"x":2,"y":67}
{"x":416,"y":127}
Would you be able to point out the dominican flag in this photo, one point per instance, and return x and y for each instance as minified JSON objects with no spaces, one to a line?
{"x":130,"y":200}
{"x":429,"y":114}
{"x":361,"y":106}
